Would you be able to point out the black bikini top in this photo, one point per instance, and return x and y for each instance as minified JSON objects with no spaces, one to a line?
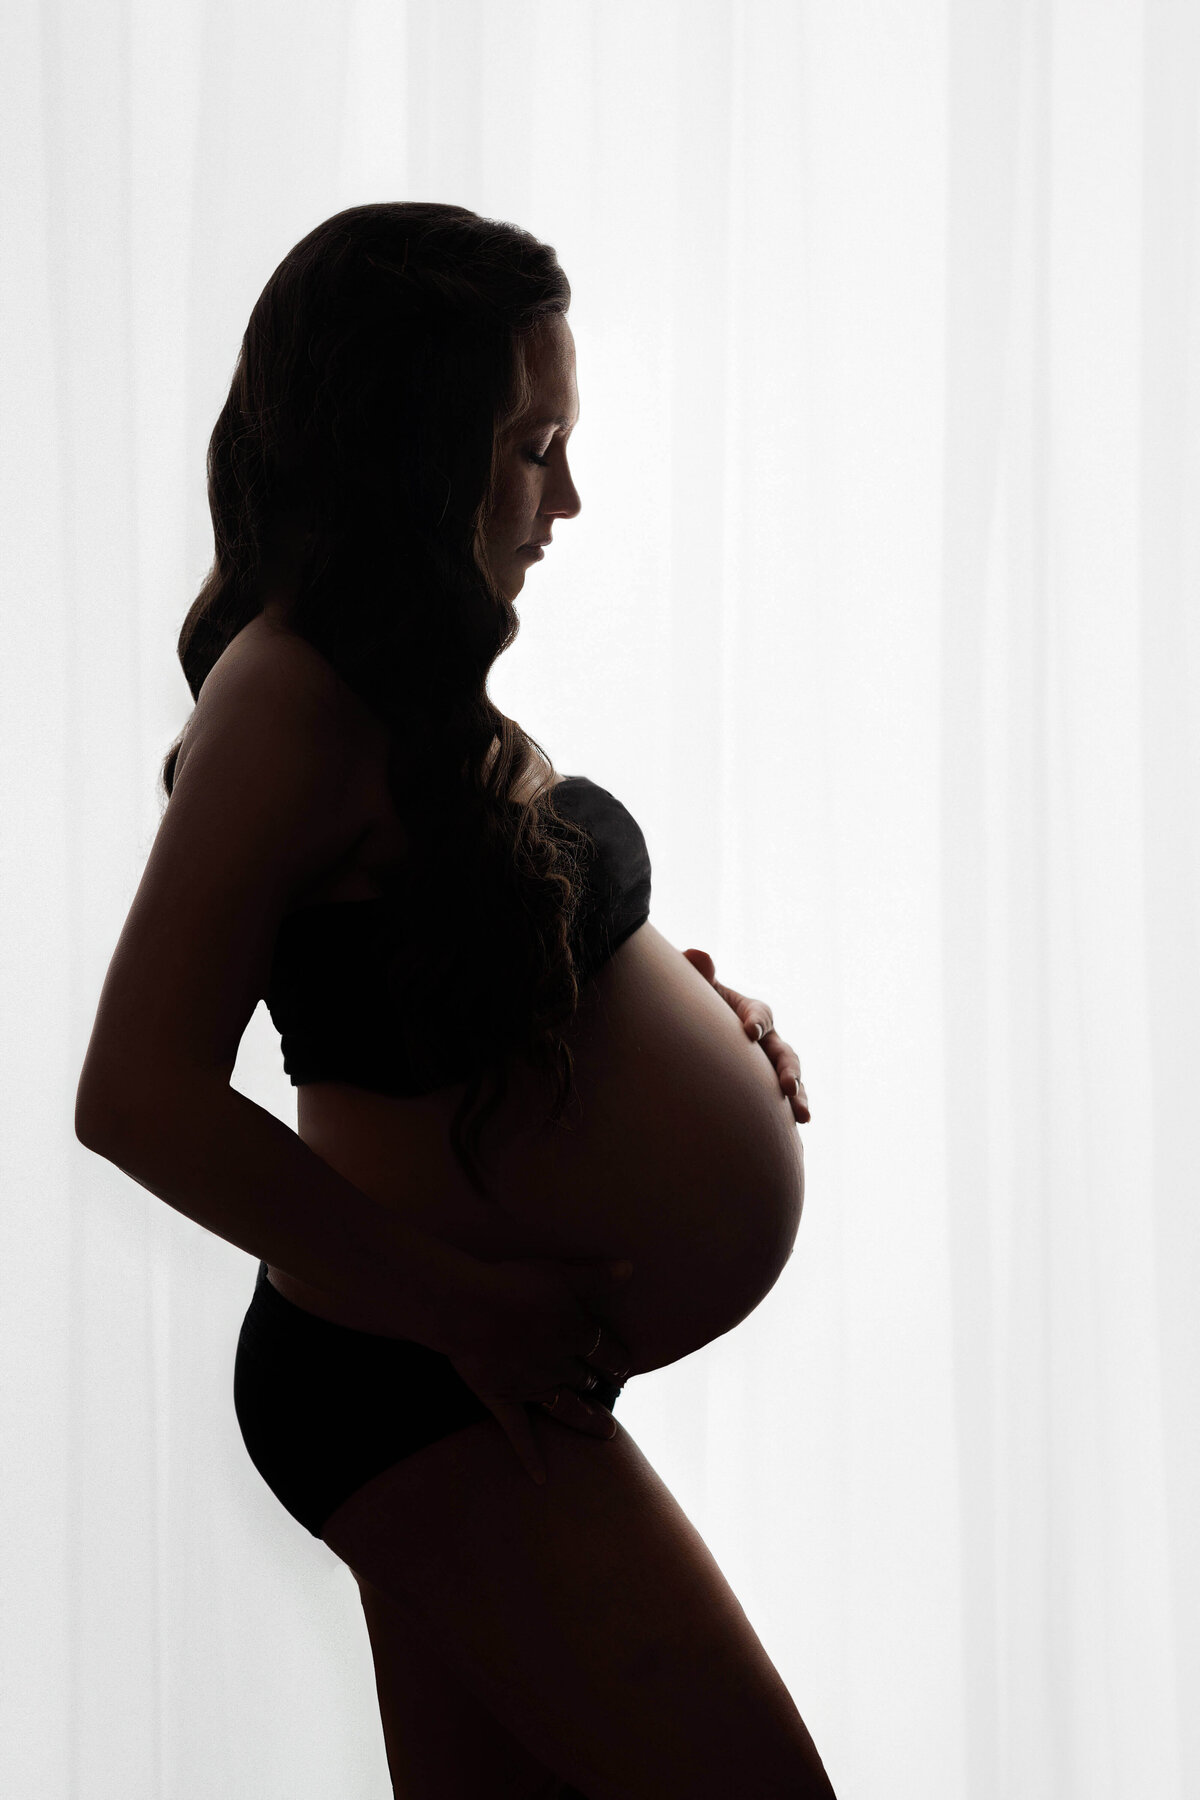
{"x":326,"y":993}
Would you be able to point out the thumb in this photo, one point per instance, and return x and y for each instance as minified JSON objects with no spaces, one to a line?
{"x":513,"y":1421}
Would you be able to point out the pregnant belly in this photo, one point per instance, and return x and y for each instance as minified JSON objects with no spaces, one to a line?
{"x":678,"y":1151}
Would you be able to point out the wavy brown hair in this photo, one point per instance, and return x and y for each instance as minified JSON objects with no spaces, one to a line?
{"x":380,"y":375}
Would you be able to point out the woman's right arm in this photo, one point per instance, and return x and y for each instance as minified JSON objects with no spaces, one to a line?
{"x":262,"y":805}
{"x":238,"y":1171}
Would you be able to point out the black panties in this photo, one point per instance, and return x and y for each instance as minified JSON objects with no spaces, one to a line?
{"x":322,"y":1408}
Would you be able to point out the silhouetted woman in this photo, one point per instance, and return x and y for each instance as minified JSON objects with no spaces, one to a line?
{"x":507,"y":1080}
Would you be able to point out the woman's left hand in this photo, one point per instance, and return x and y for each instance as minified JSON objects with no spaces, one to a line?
{"x":758,"y":1024}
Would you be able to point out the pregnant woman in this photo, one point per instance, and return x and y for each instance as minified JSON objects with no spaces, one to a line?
{"x":509,"y":1084}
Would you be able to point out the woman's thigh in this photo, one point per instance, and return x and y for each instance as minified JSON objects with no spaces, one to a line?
{"x":442,"y":1743}
{"x":587,"y":1615}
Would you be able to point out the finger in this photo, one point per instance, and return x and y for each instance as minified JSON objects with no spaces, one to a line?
{"x":757,"y":1018}
{"x":513,"y":1421}
{"x":784,"y":1058}
{"x":702,"y":961}
{"x":570,"y":1408}
{"x":786,"y":1063}
{"x":610,"y":1357}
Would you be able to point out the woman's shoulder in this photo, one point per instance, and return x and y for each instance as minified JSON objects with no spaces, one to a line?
{"x":263,"y":660}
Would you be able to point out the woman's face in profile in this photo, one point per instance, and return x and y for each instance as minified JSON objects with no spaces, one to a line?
{"x":536,"y":489}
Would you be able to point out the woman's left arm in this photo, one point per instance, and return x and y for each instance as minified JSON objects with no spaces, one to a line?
{"x":756,"y":1019}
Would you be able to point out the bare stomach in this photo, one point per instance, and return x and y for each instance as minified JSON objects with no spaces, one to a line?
{"x":679,"y":1152}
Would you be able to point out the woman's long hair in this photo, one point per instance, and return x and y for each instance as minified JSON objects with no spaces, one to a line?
{"x":381,"y":371}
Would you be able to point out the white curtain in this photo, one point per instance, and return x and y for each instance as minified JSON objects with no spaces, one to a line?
{"x":880,"y":615}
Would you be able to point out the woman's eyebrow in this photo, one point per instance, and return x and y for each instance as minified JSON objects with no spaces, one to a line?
{"x":559,"y":419}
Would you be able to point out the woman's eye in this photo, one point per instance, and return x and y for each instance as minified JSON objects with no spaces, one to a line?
{"x":543,"y":462}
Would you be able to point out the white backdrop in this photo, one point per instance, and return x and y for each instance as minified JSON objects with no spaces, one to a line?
{"x":880,"y":616}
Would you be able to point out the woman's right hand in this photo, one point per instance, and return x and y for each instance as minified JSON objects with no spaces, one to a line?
{"x":527,"y":1331}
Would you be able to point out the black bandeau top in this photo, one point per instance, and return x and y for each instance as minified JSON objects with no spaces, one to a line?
{"x":326,"y":993}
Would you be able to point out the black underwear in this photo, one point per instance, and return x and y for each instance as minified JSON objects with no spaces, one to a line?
{"x":323,"y":1408}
